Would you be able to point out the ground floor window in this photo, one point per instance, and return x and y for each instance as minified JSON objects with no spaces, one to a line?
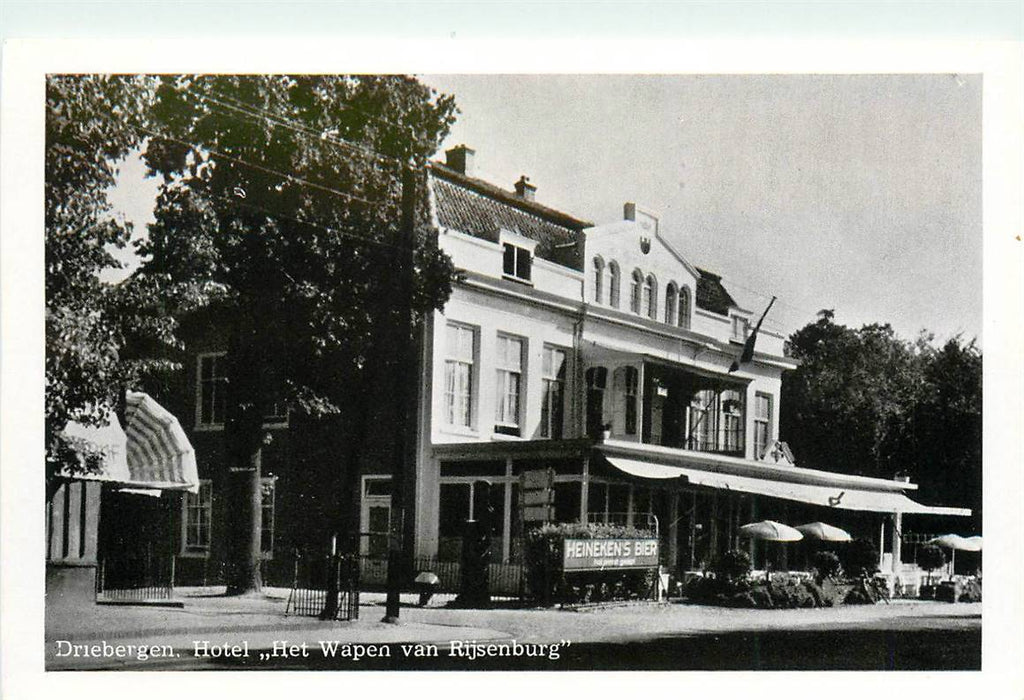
{"x":198,"y":518}
{"x":268,"y":489}
{"x":478,"y":501}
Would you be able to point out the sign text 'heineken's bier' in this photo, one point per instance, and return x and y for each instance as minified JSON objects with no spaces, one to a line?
{"x":610,"y":554}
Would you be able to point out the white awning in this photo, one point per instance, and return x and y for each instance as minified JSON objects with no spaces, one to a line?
{"x":839,"y":497}
{"x":152,"y":453}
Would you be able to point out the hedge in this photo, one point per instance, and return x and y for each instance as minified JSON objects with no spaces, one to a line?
{"x":549,"y":583}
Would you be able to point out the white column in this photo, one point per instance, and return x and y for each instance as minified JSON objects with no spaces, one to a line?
{"x":897,"y":540}
{"x":881,"y":545}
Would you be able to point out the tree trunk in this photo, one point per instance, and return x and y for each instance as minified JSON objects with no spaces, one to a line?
{"x":244,"y":447}
{"x":246,"y":523}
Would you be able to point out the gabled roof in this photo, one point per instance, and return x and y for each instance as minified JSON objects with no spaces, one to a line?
{"x":481,"y":209}
{"x":711,"y":295}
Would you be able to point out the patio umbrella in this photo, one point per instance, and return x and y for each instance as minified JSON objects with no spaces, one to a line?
{"x":953,"y":543}
{"x":824,"y":532}
{"x":770,"y":531}
{"x":973,"y":542}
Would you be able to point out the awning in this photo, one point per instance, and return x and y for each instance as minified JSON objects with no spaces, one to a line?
{"x":153,"y":452}
{"x":839,"y":497}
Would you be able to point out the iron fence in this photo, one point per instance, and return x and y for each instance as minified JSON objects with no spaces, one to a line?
{"x":321,"y":579}
{"x":135,"y":577}
{"x":505,"y":579}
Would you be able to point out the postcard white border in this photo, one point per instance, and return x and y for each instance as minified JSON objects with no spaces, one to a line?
{"x":21,"y":330}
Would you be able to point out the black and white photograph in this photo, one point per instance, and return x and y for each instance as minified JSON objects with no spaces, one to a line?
{"x":514,"y":371}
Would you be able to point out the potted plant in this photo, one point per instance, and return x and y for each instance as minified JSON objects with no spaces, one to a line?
{"x":930,"y":557}
{"x":606,"y":431}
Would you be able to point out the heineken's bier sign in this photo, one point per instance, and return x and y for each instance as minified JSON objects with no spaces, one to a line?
{"x":597,"y":554}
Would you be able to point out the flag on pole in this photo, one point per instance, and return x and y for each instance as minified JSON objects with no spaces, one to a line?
{"x":748,"y":347}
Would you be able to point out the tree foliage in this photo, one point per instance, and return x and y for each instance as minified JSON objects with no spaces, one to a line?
{"x":865,"y":401}
{"x":92,"y":122}
{"x":283,"y":200}
{"x":283,"y":197}
{"x":931,"y":557}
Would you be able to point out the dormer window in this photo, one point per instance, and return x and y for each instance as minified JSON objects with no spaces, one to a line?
{"x":740,"y":328}
{"x":517,"y":260}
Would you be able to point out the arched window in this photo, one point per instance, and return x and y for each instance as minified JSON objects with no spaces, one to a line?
{"x":671,"y":293}
{"x":684,"y":307}
{"x":634,"y":292}
{"x":650,"y":297}
{"x":598,"y":278}
{"x":613,"y":284}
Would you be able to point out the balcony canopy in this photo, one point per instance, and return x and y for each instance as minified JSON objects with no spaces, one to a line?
{"x":842,"y":495}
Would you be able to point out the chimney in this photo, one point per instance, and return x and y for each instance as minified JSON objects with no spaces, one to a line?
{"x":460,"y":159}
{"x":524,"y":190}
{"x":647,"y":219}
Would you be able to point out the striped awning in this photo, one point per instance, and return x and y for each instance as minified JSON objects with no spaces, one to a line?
{"x":151,"y":452}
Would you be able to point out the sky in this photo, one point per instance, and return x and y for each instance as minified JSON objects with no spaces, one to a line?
{"x":858,"y":193}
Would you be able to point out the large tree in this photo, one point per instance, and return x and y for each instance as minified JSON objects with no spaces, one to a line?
{"x":283,"y":196}
{"x":92,"y":123}
{"x":865,"y":401}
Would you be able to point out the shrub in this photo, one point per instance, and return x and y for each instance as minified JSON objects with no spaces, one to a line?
{"x":826,"y":565}
{"x":865,"y":592}
{"x":547,"y":581}
{"x":733,"y":565}
{"x":860,"y":558}
{"x":931,"y":557}
{"x":947,"y":592}
{"x":742,"y":593}
{"x":971,"y":592}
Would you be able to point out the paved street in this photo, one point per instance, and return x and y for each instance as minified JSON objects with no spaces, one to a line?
{"x":211,"y":631}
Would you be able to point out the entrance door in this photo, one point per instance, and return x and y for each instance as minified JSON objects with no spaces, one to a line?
{"x":375,"y":524}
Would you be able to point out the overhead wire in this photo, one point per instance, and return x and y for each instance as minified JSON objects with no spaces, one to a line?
{"x":287,"y":123}
{"x":238,"y":107}
{"x":256,"y":166}
{"x":347,"y":105}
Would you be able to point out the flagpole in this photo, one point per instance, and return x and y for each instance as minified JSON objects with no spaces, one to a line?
{"x":748,"y":347}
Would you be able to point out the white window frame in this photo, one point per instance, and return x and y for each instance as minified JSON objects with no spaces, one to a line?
{"x":631,"y":399}
{"x":636,"y":292}
{"x":521,"y":245}
{"x":598,"y":272}
{"x":740,"y":328}
{"x":270,"y":481}
{"x":218,"y":382}
{"x":501,"y":388}
{"x":733,"y":420}
{"x":550,"y":378}
{"x":614,"y":284}
{"x":684,"y":303}
{"x":649,"y":298}
{"x":269,"y":421}
{"x":451,"y":405}
{"x":671,"y":303}
{"x":188,"y":505}
{"x":765,"y":421}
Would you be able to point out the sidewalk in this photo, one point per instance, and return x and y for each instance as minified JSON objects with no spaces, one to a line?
{"x":209,"y":620}
{"x":256,"y":623}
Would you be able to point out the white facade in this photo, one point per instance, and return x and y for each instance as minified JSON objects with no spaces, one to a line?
{"x":644,"y":380}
